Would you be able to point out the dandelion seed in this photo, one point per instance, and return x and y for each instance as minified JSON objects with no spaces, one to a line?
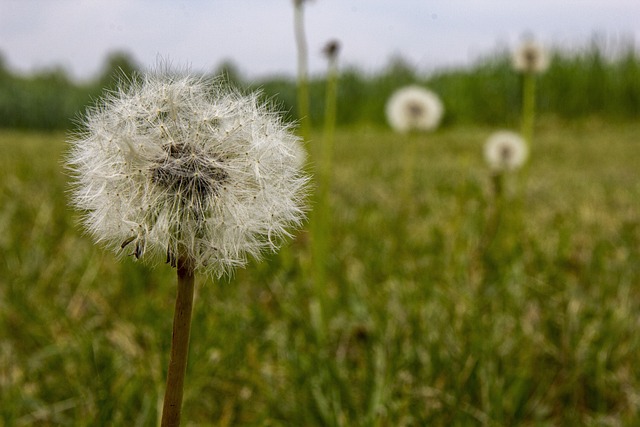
{"x":505,"y":150}
{"x":530,"y":57}
{"x":414,"y":108}
{"x":177,"y":165}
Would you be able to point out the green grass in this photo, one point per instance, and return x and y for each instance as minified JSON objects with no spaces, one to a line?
{"x":429,"y":321}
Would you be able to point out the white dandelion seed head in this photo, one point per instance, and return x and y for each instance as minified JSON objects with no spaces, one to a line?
{"x":414,"y":108}
{"x":530,"y":57}
{"x":505,"y":150}
{"x":176,"y":165}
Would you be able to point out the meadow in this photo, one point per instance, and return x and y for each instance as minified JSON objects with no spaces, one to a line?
{"x":430,"y":314}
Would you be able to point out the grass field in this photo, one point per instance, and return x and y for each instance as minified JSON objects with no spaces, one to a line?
{"x":429,"y":317}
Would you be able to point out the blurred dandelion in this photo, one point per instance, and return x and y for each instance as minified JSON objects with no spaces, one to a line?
{"x":411,"y":110}
{"x":414,"y":108}
{"x":182,"y":168}
{"x":530,"y":59}
{"x":505,"y":151}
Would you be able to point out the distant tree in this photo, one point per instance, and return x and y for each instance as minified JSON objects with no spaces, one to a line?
{"x":118,"y":66}
{"x":400,"y":69}
{"x":4,"y":70}
{"x":230,"y":72}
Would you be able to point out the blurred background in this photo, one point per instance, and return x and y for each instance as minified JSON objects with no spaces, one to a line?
{"x":444,"y":296}
{"x":55,"y":56}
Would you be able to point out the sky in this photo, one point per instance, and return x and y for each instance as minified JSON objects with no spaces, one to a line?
{"x":257,"y":35}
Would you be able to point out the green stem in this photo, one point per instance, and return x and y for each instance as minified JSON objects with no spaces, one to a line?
{"x":172,"y":407}
{"x":528,"y":106}
{"x":406,"y":199}
{"x":324,"y":156}
{"x":321,"y":221}
{"x":329,"y":122}
{"x":498,"y":186}
{"x":495,"y":213}
{"x":303,"y":85}
{"x":411,"y":148}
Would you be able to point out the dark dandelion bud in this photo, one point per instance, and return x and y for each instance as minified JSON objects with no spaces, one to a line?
{"x":331,"y":49}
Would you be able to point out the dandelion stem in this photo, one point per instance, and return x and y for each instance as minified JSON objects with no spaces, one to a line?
{"x":496,"y":211}
{"x":528,"y":106}
{"x":329,"y":123}
{"x":179,"y":344}
{"x":407,"y":203}
{"x":303,"y":86}
{"x":321,"y":220}
{"x":498,"y":185}
{"x":410,"y":154}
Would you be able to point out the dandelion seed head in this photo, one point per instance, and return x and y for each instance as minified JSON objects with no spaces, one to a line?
{"x":414,"y":108}
{"x":530,"y":57}
{"x":505,"y":150}
{"x":173,"y":164}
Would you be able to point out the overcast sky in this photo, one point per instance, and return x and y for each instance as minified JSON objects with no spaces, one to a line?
{"x":257,"y":35}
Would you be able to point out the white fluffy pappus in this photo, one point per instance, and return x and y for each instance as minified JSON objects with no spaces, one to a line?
{"x":530,"y":57}
{"x":173,"y":165}
{"x":414,"y":108}
{"x":505,"y":150}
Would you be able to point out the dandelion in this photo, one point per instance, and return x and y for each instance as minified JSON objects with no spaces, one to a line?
{"x":414,"y":108}
{"x":410,"y":110}
{"x":179,"y":168}
{"x":175,"y":166}
{"x":505,"y":151}
{"x":530,"y":57}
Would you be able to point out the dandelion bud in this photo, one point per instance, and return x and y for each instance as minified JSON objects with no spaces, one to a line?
{"x":175,"y":165}
{"x":505,"y":150}
{"x":331,"y":49}
{"x":414,"y":108}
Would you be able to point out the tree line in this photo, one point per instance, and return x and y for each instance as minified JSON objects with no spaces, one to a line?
{"x":580,"y":83}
